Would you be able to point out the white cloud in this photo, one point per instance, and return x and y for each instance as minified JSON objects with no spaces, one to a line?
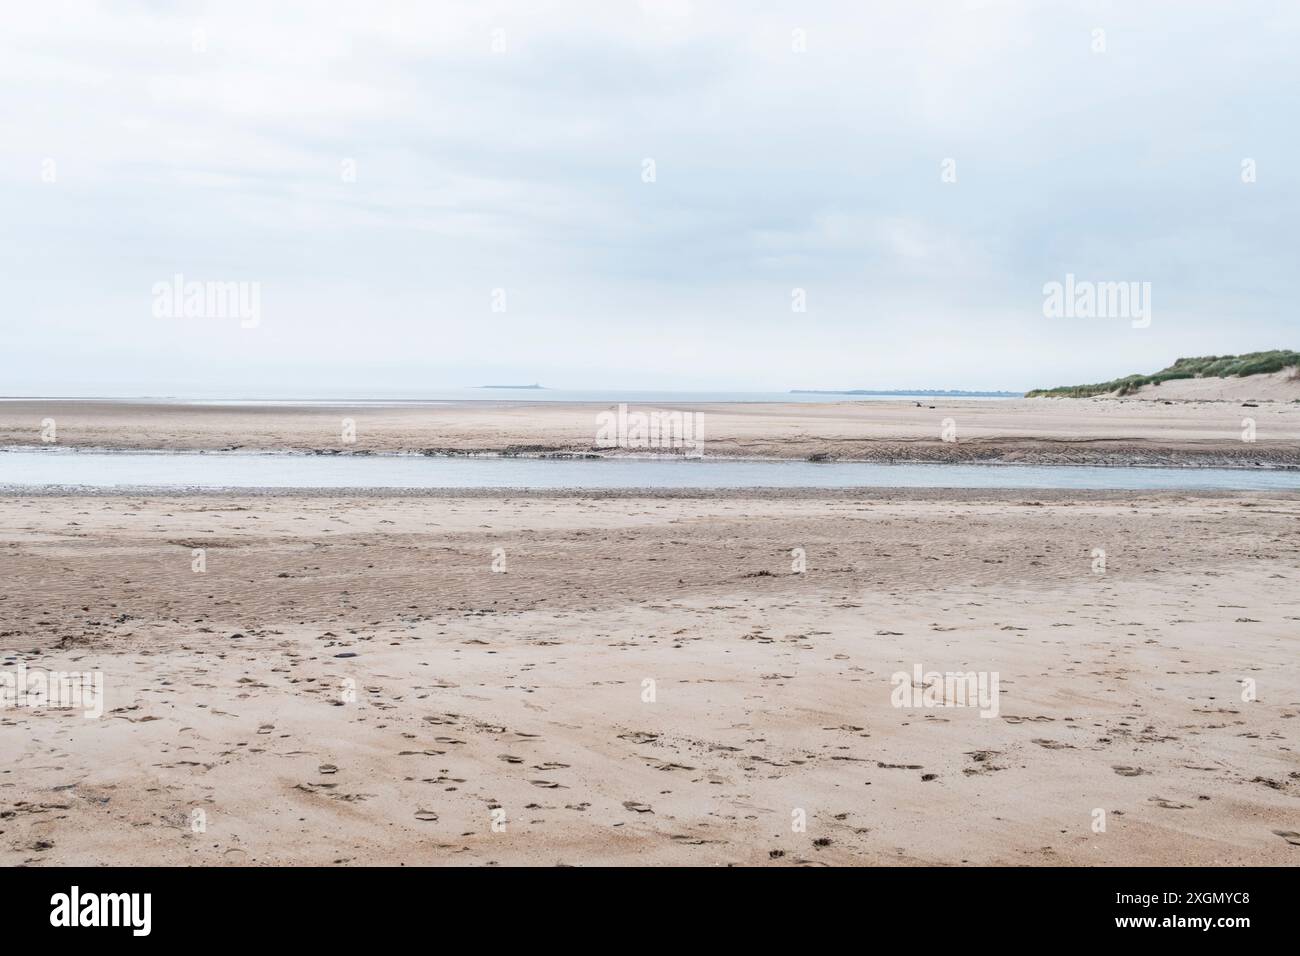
{"x":522,"y":169}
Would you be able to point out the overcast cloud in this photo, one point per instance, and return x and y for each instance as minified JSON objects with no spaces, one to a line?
{"x":522,"y":170}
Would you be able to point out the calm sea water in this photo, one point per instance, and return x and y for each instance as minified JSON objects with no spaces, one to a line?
{"x":65,"y":467}
{"x":457,"y":395}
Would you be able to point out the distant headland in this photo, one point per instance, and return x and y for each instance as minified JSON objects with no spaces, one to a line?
{"x":924,"y":392}
{"x":533,"y":387}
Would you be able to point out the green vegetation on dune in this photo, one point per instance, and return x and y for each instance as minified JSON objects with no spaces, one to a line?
{"x":1207,"y":366}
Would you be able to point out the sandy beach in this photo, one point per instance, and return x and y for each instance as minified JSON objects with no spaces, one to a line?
{"x":655,"y":434}
{"x":708,"y":677}
{"x":348,"y":680}
{"x":1047,"y":431}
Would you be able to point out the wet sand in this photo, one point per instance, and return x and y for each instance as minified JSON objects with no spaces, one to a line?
{"x":350,"y":681}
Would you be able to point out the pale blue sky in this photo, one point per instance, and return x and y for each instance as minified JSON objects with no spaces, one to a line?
{"x":522,"y":170}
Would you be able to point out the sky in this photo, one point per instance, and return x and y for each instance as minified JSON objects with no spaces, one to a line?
{"x":638,"y":195}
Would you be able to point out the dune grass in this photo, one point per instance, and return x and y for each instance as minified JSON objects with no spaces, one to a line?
{"x":1206,"y":366}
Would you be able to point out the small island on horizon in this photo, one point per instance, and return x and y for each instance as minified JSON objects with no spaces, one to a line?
{"x":533,"y":387}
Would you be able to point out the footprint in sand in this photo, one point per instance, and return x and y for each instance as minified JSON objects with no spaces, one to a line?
{"x":639,"y":737}
{"x":1169,"y":804}
{"x":1129,"y":771}
{"x":427,"y":816}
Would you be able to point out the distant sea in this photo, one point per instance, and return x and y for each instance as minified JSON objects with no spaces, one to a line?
{"x":431,"y":396}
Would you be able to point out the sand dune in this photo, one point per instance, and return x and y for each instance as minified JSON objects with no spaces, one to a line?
{"x":1283,"y":386}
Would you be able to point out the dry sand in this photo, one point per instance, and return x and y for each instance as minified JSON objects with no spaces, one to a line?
{"x":523,"y":691}
{"x":1032,"y":431}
